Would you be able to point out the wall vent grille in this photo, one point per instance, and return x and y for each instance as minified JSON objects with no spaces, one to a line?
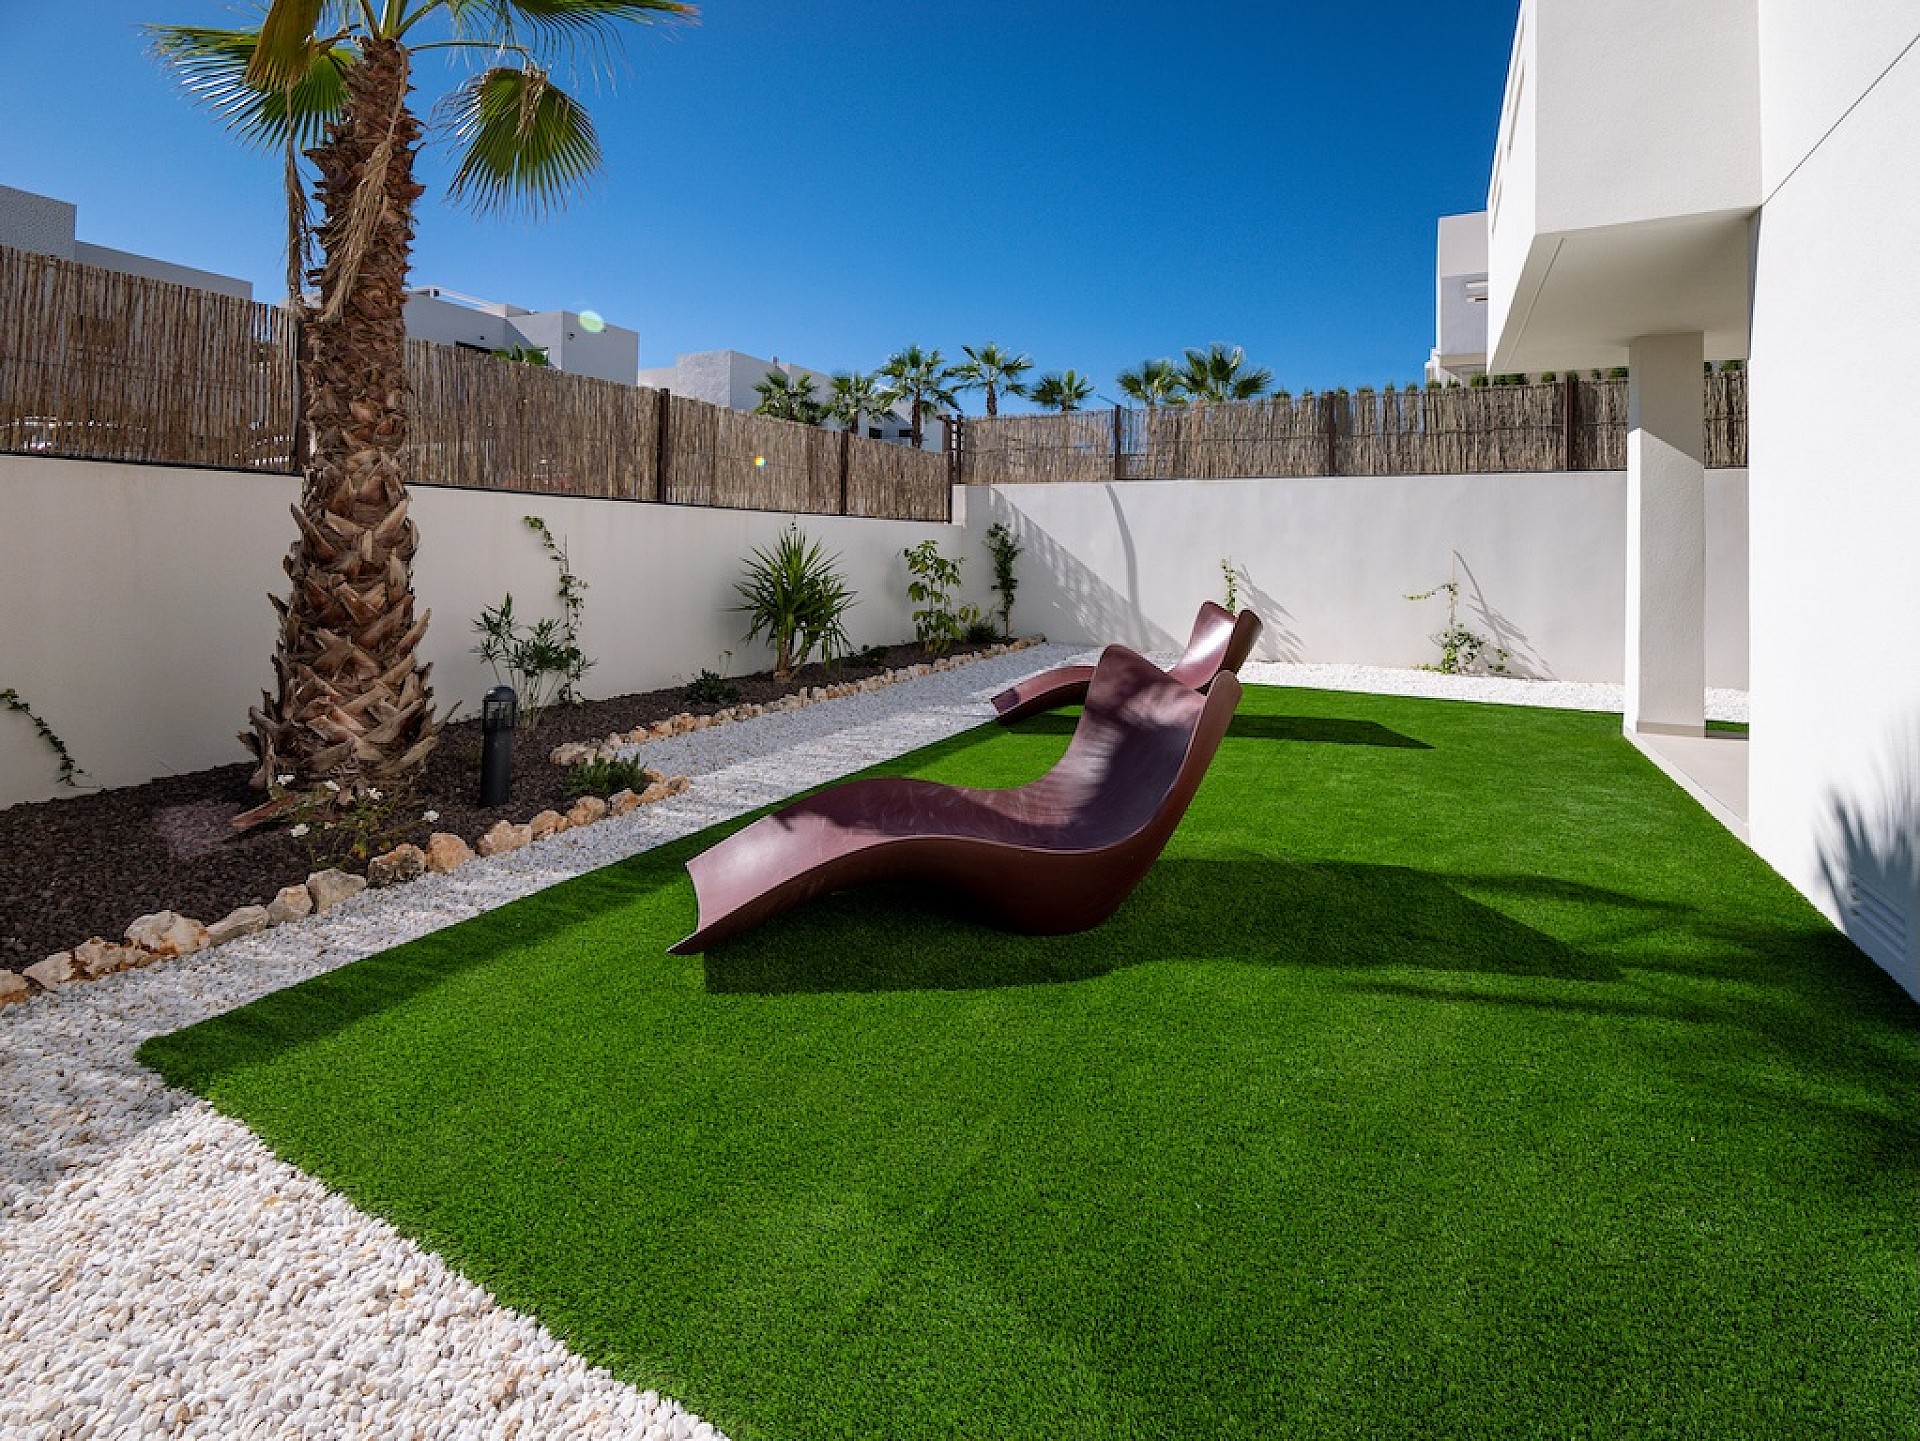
{"x":1875,"y":921}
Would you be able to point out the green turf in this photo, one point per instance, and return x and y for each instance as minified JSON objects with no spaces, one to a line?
{"x":1453,"y":1075}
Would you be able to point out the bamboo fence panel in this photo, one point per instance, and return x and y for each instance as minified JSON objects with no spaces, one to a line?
{"x":490,"y":424}
{"x":1727,"y":419}
{"x":1032,"y":449}
{"x":101,"y":365}
{"x":897,"y":482}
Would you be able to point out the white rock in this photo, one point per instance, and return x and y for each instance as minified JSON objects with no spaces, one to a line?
{"x":55,"y":971}
{"x":13,"y":988}
{"x":243,"y":921}
{"x":166,"y":934}
{"x":330,"y":887}
{"x":290,"y":904}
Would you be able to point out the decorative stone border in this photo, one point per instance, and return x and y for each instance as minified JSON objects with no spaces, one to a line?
{"x":573,"y":753}
{"x":165,"y":934}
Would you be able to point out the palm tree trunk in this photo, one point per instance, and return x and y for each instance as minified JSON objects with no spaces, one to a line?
{"x":353,"y":703}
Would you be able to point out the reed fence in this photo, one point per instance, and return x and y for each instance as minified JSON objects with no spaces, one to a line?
{"x":100,"y":365}
{"x":1570,"y":424}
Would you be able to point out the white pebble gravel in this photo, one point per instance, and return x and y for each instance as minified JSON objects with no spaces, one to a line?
{"x":163,"y":1275}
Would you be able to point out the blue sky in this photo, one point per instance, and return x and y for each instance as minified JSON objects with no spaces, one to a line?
{"x":1094,"y":184}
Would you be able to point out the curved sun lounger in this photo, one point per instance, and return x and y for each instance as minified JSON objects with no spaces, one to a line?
{"x":1056,"y":855}
{"x":1220,"y":642}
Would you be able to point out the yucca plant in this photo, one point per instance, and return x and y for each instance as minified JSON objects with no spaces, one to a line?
{"x":795,"y":596}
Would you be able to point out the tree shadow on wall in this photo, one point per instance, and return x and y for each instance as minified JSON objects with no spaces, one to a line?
{"x":1522,"y":660}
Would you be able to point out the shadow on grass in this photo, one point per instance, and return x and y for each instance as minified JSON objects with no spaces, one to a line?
{"x":903,"y":936}
{"x":1312,"y":730}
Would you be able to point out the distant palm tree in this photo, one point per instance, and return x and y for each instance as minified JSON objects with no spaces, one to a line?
{"x":993,"y":370}
{"x":923,"y":381}
{"x":789,"y":397}
{"x":330,"y":78}
{"x":1153,"y":382}
{"x":1219,"y":373}
{"x":855,"y":396}
{"x":1063,"y":392}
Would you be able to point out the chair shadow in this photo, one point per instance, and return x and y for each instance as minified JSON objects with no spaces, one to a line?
{"x":1311,"y":730}
{"x":1326,"y":915}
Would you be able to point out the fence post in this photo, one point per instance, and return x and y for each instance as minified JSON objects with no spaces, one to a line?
{"x":299,"y":437}
{"x":1119,"y":452}
{"x":846,"y":465}
{"x":955,"y":441}
{"x":662,"y":442}
{"x":1330,"y":402}
{"x":1570,"y":391}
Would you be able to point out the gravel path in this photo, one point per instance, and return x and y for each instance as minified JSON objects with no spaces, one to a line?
{"x":162,"y":1274}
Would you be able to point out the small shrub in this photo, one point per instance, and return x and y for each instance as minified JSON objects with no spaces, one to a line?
{"x":795,"y":596}
{"x":537,"y":661}
{"x":603,"y":776}
{"x":1004,"y":548}
{"x":711,"y":688}
{"x":936,"y":624}
{"x":1460,"y":647}
{"x":982,"y":632}
{"x":1230,"y":578}
{"x":345,"y":826}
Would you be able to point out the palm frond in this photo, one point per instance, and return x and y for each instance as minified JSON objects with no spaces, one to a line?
{"x":287,"y":38}
{"x":525,"y":140}
{"x":212,"y":65}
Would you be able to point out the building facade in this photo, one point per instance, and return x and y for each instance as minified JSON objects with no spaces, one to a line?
{"x":1680,"y":184}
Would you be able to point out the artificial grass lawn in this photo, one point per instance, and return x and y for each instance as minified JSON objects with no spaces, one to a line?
{"x":1453,"y":1075}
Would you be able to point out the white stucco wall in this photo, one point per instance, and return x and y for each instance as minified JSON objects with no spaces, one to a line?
{"x":137,"y":622}
{"x":1328,"y":564}
{"x":1835,"y":755}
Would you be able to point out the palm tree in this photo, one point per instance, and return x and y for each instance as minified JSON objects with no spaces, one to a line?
{"x":1063,"y":392}
{"x":855,"y":396}
{"x":353,"y":704}
{"x":789,"y":397}
{"x":922,"y":379}
{"x":1219,"y":373}
{"x":993,"y":370}
{"x":1152,"y":382}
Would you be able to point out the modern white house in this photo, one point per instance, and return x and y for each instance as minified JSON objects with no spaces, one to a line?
{"x":728,"y":377}
{"x":579,"y":343}
{"x":1676,"y":184}
{"x":46,"y":226}
{"x":1460,"y":299}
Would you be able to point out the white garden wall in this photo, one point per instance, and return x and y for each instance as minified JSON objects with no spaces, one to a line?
{"x":136,"y":619}
{"x":1328,"y":562}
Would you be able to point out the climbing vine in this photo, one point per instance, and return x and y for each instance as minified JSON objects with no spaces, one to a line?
{"x":70,"y":771}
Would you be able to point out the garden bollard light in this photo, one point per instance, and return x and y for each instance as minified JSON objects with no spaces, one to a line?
{"x":497,"y":713}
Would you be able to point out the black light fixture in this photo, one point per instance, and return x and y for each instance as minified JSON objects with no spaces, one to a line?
{"x":497,"y":714}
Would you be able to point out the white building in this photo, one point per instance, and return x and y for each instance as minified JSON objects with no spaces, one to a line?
{"x":728,"y":378}
{"x":1679,"y":183}
{"x":45,"y":226}
{"x":578,"y":343}
{"x":1460,"y":299}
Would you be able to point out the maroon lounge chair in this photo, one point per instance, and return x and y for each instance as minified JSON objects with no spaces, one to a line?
{"x":1058,"y":854}
{"x":1220,"y":642}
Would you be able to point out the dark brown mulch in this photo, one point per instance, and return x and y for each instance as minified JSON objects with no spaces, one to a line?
{"x":87,"y":864}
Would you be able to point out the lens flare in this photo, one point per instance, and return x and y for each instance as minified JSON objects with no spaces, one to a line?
{"x":759,"y":462}
{"x":591,"y":322}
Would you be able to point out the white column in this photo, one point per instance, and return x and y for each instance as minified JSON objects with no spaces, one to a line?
{"x":1666,"y":660}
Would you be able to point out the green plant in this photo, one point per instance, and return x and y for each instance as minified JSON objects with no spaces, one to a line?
{"x":571,"y":609}
{"x":711,"y":688}
{"x":604,"y":775}
{"x":1230,"y":574}
{"x":982,"y":632}
{"x":1460,"y":647}
{"x":795,"y":596}
{"x":343,"y":824}
{"x":1004,"y":549}
{"x":936,"y":624}
{"x":534,"y":660}
{"x":70,"y":771}
{"x":535,"y":355}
